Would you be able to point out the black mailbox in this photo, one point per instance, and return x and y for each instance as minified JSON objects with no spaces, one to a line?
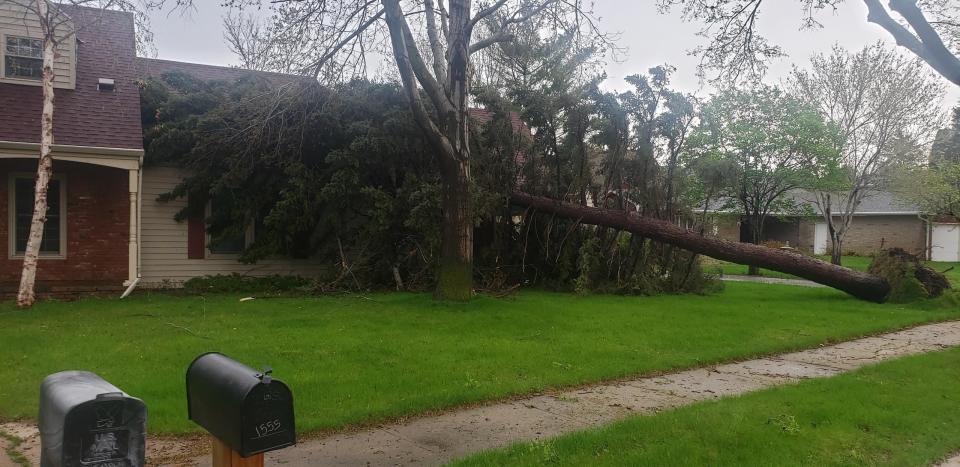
{"x":86,"y":421}
{"x":246,"y":409}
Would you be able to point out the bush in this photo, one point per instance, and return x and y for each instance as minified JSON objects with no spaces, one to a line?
{"x":590,"y":265}
{"x":237,"y":283}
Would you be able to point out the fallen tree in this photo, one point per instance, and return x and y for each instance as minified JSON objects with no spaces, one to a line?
{"x":859,"y":284}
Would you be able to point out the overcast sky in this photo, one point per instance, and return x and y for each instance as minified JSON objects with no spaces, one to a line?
{"x":650,"y":37}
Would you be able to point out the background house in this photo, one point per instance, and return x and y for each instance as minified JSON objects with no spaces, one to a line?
{"x":881,"y":221}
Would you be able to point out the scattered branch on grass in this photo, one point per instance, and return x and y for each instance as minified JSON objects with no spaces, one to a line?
{"x":188,"y":330}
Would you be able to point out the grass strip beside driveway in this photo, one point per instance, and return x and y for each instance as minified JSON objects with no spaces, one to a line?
{"x":897,"y":413}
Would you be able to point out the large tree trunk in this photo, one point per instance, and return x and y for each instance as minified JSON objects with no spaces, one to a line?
{"x":858,"y":284}
{"x":455,"y":276}
{"x":26,"y":295}
{"x":446,"y":127}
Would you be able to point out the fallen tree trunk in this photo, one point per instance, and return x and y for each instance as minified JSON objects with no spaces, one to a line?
{"x":859,"y":284}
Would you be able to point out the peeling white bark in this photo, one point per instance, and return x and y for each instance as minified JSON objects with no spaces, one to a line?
{"x":26,"y":295}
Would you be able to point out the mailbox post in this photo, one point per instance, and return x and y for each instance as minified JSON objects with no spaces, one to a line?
{"x":86,"y":421}
{"x":247,"y":411}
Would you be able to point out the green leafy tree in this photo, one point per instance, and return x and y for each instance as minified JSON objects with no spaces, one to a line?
{"x":776,"y":144}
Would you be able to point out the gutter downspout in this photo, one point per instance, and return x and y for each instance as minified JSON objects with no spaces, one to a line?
{"x":130,"y":288}
{"x":136,"y":281}
{"x":140,"y":221}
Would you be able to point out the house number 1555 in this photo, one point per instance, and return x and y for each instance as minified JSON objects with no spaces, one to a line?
{"x":268,"y":428}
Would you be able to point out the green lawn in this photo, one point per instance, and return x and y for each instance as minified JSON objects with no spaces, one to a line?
{"x":860,"y":263}
{"x":353,"y":359}
{"x":898,"y":413}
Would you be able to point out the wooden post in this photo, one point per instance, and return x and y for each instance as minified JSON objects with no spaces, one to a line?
{"x":223,"y":456}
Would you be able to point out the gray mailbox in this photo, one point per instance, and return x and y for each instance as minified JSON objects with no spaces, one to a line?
{"x":86,"y":421}
{"x":246,"y":409}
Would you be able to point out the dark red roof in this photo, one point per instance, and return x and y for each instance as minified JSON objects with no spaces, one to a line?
{"x":85,"y":116}
{"x":484,"y":116}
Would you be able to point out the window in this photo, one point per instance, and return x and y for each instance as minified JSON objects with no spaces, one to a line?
{"x":23,"y":192}
{"x":230,"y":240}
{"x":23,"y":58}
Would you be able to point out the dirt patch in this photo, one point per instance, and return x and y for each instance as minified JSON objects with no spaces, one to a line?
{"x":163,"y":450}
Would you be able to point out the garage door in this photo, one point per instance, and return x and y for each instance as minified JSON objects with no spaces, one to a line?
{"x":821,"y":238}
{"x":945,"y":242}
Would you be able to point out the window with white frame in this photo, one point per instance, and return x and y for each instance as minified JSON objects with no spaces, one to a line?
{"x":21,"y":214}
{"x":23,"y":58}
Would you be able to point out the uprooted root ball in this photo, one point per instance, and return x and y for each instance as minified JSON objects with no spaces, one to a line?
{"x":909,"y":279}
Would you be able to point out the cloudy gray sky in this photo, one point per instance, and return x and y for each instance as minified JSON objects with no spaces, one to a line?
{"x":650,"y":37}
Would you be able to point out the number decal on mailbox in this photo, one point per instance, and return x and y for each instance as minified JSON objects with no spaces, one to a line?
{"x":268,"y":428}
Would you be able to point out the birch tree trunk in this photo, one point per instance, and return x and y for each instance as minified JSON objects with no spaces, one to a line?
{"x":26,"y":295}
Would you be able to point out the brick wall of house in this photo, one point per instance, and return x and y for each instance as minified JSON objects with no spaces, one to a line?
{"x":98,"y":216}
{"x":864,"y":238}
{"x":867,"y":233}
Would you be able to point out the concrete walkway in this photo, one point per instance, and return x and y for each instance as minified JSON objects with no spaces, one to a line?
{"x":951,"y":462}
{"x":771,"y":280}
{"x":437,"y":439}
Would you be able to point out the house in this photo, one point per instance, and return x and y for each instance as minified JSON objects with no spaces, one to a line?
{"x":881,"y":221}
{"x":105,"y":228}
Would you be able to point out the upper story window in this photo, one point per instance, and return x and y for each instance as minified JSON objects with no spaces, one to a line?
{"x":23,"y":58}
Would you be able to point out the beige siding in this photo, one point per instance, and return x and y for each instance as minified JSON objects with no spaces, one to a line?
{"x":15,"y":21}
{"x":164,"y":242}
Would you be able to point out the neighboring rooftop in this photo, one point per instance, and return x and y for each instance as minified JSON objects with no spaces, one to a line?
{"x":484,"y":116}
{"x":876,"y":203}
{"x":884,"y":202}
